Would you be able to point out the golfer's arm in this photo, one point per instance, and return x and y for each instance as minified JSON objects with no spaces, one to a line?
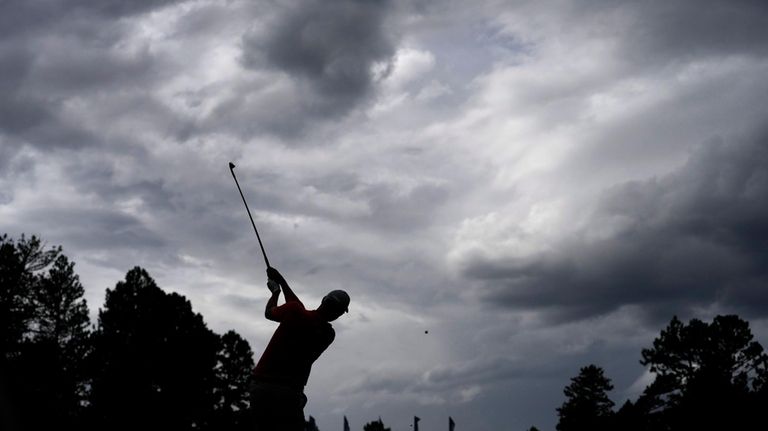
{"x":288,"y":292}
{"x":271,"y":303}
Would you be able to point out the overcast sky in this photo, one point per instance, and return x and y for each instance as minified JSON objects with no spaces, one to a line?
{"x":539,"y":184}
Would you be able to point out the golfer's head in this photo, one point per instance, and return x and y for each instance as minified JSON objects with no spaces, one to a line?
{"x":334,"y":304}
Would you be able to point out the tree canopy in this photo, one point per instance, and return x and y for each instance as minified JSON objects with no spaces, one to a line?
{"x":152,"y":354}
{"x":587,"y":405}
{"x":376,"y":425}
{"x":151,"y":361}
{"x":706,"y":376}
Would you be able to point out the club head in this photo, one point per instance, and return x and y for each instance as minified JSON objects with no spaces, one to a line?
{"x":231,"y":165}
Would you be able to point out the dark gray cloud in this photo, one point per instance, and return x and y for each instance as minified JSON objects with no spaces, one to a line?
{"x":329,"y":48}
{"x":73,"y":68}
{"x":120,"y":8}
{"x":24,"y":17}
{"x":455,"y":383}
{"x":99,"y":178}
{"x":682,"y":30}
{"x":14,"y":168}
{"x":388,"y":205}
{"x":694,"y":238}
{"x":349,"y":197}
{"x":55,"y":53}
{"x":658,"y":32}
{"x":17,"y":112}
{"x":93,"y":228}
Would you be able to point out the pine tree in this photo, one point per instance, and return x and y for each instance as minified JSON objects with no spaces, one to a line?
{"x":587,"y":405}
{"x":61,"y":313}
{"x":59,"y":342}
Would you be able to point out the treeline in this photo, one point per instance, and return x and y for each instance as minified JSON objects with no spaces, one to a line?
{"x":707,"y":376}
{"x":149,"y":362}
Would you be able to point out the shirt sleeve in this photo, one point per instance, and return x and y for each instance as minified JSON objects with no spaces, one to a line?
{"x":286,"y":311}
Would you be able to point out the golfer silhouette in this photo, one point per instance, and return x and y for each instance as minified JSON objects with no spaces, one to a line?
{"x":277,"y":387}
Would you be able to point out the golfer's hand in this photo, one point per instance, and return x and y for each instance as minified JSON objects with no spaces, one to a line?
{"x":273,"y":287}
{"x":275,"y":275}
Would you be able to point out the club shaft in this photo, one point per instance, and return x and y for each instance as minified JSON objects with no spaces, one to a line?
{"x":266,"y":260}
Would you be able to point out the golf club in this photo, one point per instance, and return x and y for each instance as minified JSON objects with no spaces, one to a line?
{"x":232,"y":169}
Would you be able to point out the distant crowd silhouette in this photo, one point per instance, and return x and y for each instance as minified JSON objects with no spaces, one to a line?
{"x":151,"y":362}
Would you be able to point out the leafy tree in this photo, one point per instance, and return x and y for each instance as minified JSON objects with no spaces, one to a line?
{"x":587,"y":405}
{"x":233,"y":371}
{"x":377,"y":425}
{"x":706,"y":373}
{"x":19,"y":261}
{"x":154,"y":360}
{"x":723,"y":350}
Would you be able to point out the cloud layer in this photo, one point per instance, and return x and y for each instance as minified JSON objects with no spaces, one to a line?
{"x":690,"y":239}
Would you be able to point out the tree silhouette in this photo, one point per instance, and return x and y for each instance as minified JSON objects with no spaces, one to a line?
{"x":632,"y":417}
{"x":61,"y":319}
{"x":233,"y":370}
{"x":14,"y":304}
{"x":706,"y":374}
{"x":54,"y":356}
{"x":377,"y":425}
{"x":724,"y":349}
{"x":154,"y":360}
{"x":151,"y":362}
{"x":311,"y":425}
{"x":19,"y":261}
{"x":587,"y":405}
{"x":40,"y":379}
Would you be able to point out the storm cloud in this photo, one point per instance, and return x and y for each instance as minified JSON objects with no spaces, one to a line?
{"x":693,"y":238}
{"x":333,"y":51}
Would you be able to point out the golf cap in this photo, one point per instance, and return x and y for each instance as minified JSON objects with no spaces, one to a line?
{"x":340,"y":297}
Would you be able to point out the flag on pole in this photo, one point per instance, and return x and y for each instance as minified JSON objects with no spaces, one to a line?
{"x":416,"y":420}
{"x":451,"y":424}
{"x":346,"y":424}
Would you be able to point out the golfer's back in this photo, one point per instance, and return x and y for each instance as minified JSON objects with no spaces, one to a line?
{"x":299,"y":340}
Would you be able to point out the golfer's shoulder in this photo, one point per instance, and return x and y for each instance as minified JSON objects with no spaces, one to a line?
{"x":293,"y":308}
{"x":297,"y":305}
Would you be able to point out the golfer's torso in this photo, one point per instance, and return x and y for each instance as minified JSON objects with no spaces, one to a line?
{"x":295,"y":345}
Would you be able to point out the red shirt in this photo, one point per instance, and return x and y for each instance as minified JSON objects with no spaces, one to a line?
{"x":299,"y":340}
